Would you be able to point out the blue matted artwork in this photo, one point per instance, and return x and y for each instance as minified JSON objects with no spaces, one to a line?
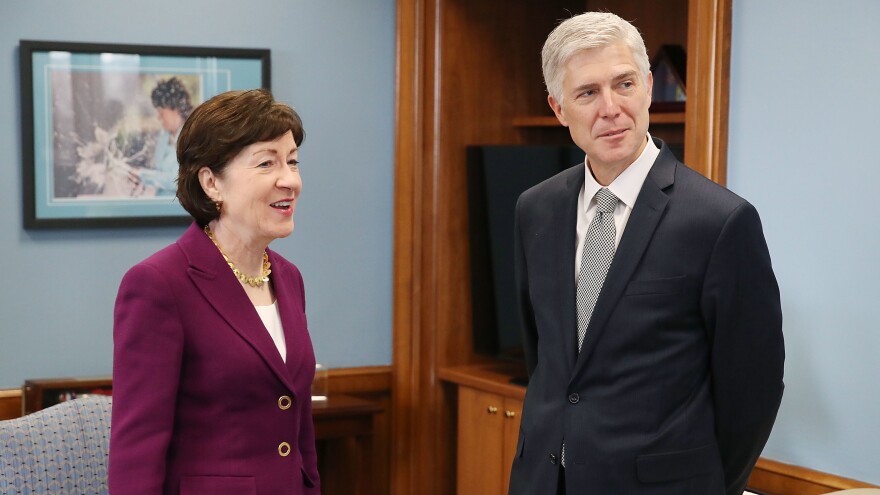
{"x":100,"y":124}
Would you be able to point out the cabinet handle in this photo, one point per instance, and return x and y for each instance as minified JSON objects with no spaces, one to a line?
{"x":510,"y":414}
{"x":492,"y":409}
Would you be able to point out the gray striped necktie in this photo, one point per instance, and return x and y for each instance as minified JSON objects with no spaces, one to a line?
{"x":595,"y":260}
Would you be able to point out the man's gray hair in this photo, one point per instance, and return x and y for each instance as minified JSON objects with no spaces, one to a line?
{"x":584,"y":32}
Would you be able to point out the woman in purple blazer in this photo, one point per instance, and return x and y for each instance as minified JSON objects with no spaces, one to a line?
{"x":212,"y":361}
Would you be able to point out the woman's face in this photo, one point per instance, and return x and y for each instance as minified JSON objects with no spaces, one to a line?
{"x":259,"y":189}
{"x":170,"y":119}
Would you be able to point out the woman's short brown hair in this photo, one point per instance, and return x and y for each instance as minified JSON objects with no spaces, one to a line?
{"x":217,"y":130}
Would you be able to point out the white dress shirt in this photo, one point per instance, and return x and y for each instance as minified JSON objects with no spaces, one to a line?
{"x":272,"y":321}
{"x":626,"y":187}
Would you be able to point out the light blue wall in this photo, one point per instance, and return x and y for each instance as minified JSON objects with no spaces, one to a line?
{"x":333,"y":60}
{"x":804,"y":128}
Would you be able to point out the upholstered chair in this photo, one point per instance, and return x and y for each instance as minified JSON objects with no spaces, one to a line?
{"x":61,"y":450}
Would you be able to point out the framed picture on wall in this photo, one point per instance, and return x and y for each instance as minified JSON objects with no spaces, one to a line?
{"x":100,"y":125}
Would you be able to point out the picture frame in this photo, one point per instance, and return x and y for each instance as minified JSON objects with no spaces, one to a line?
{"x":100,"y":123}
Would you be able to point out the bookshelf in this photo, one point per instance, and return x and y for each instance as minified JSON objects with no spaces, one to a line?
{"x":468,"y":73}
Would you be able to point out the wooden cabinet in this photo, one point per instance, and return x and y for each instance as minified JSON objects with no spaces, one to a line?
{"x":512,"y":415}
{"x":469,"y":73}
{"x":489,"y":411}
{"x":488,"y":427}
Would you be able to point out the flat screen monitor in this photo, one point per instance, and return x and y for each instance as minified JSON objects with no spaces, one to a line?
{"x":497,"y":175}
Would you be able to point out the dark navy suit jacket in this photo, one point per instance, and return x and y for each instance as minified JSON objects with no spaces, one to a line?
{"x":199,"y":386}
{"x":679,"y":379}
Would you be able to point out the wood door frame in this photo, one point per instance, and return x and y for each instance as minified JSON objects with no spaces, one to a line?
{"x":423,"y":340}
{"x":708,"y":87}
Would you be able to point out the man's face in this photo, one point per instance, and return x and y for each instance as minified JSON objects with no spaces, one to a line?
{"x":605,"y":106}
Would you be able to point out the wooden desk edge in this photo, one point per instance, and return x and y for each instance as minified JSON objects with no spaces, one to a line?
{"x":487,"y":377}
{"x":344,"y":405}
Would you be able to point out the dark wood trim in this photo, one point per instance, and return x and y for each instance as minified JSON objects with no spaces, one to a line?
{"x":410,"y":46}
{"x":777,"y":478}
{"x":495,"y":378}
{"x":708,"y":87}
{"x":349,"y":456}
{"x":361,"y":380}
{"x":374,"y":384}
{"x":657,"y":118}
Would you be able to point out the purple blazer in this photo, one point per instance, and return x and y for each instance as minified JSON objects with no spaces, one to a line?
{"x":202,"y":401}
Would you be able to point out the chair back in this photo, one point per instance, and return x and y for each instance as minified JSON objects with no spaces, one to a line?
{"x":60,"y":450}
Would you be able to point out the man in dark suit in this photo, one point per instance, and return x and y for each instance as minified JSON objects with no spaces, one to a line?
{"x":651,"y":315}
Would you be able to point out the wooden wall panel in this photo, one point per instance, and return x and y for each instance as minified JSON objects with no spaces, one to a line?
{"x":449,"y":78}
{"x":672,"y":30}
{"x":412,"y":129}
{"x":465,"y":69}
{"x":708,"y":87}
{"x":10,"y":403}
{"x":372,"y":383}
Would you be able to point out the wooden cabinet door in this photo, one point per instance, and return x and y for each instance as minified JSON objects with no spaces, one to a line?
{"x":481,"y":422}
{"x":512,"y":413}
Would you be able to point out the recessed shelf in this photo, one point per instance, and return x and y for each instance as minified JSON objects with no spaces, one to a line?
{"x":667,"y":118}
{"x":550,"y":121}
{"x":535,"y":122}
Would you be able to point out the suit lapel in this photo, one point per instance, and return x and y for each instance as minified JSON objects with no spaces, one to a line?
{"x":295,"y":332}
{"x":213,"y":278}
{"x":637,"y":235}
{"x":565,"y":227}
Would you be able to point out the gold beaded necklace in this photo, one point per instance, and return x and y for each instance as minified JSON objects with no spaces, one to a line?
{"x":246,"y":279}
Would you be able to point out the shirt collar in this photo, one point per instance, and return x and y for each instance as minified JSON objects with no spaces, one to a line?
{"x":628,"y":184}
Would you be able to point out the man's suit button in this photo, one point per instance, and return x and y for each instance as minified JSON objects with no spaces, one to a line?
{"x":574,"y":398}
{"x":553,"y":459}
{"x":284,"y":402}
